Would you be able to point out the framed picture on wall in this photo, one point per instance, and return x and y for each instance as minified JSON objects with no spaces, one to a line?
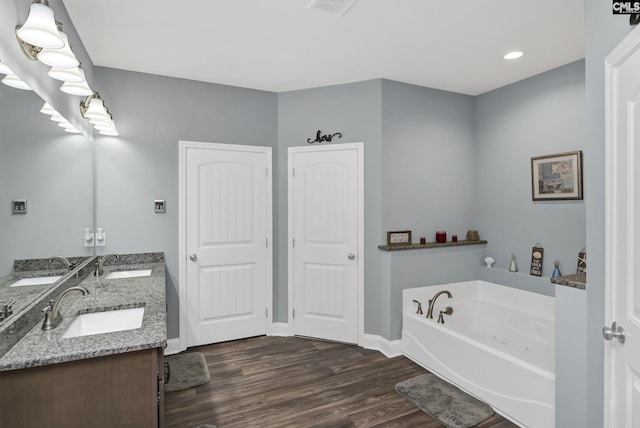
{"x":556,"y":177}
{"x":399,"y":238}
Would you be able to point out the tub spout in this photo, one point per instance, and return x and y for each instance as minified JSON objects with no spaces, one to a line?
{"x":432,"y":302}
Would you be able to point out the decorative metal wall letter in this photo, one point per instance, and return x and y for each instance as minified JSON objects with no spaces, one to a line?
{"x":324,"y":138}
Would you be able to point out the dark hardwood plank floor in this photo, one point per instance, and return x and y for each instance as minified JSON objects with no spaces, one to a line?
{"x":297,"y":382}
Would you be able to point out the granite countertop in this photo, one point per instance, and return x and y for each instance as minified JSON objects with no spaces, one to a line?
{"x":577,"y":280}
{"x":23,"y":295}
{"x":42,"y":347}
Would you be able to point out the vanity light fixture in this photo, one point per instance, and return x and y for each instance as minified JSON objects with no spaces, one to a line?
{"x":15,"y":82}
{"x":57,"y":117}
{"x":94,"y":109}
{"x":514,"y":55}
{"x":73,"y":75}
{"x":40,"y":28}
{"x":81,"y":89}
{"x":60,"y":58}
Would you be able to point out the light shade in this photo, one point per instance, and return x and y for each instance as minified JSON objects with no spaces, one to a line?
{"x":40,"y":27}
{"x":15,"y":82}
{"x":60,"y":58}
{"x":66,"y":74}
{"x":96,"y":110}
{"x":79,"y":89}
{"x":4,"y":68}
{"x":47,"y":109}
{"x":113,"y":132}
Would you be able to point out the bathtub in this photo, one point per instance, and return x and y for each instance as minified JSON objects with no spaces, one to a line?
{"x":498,"y":345}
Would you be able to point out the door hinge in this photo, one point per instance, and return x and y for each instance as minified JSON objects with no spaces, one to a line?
{"x":293,"y":241}
{"x":293,"y":313}
{"x":293,"y":172}
{"x":266,"y":170}
{"x":267,"y":242}
{"x":266,"y":312}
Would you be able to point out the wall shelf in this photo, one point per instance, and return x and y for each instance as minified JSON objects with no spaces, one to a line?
{"x":430,"y":245}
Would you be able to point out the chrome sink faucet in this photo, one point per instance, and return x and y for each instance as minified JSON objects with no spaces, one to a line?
{"x":52,"y":315}
{"x":432,"y":302}
{"x":99,"y":270}
{"x":66,"y":261}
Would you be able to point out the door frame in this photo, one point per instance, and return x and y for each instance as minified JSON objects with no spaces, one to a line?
{"x":182,"y":228}
{"x":359,"y":147}
{"x":613,"y":61}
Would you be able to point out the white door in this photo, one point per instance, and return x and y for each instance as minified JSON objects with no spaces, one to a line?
{"x":227,"y":241}
{"x":325,"y":264}
{"x":622,"y":235}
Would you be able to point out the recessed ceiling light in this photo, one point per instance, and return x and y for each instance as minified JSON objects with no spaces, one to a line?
{"x":514,"y":55}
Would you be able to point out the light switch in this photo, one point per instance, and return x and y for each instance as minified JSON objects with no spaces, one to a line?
{"x":159,"y":205}
{"x":19,"y":206}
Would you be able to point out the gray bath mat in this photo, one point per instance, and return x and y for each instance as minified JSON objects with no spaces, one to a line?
{"x":186,"y":371}
{"x":443,"y":401}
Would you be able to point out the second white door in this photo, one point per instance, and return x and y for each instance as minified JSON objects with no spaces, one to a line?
{"x":325,"y":273}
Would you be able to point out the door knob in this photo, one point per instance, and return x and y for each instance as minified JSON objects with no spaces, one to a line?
{"x":193,"y":257}
{"x":614,"y":331}
{"x":351,"y":256}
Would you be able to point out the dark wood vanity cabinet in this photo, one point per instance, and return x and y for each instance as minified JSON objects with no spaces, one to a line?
{"x":122,"y":390}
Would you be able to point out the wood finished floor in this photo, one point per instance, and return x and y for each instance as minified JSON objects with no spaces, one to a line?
{"x":297,"y":382}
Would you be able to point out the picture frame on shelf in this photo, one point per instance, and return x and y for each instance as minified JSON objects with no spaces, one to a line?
{"x":557,"y":177}
{"x":398,"y":238}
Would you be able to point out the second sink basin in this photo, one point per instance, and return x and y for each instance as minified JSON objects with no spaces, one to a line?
{"x":105,"y":322}
{"x":128,"y":274}
{"x":39,"y":280}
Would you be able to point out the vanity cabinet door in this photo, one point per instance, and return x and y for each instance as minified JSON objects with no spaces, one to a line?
{"x":113,"y":391}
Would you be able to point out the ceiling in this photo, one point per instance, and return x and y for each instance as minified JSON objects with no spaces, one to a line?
{"x":282,"y":45}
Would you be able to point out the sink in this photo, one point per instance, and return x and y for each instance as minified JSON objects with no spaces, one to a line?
{"x":105,"y":322}
{"x":40,"y":280}
{"x":128,"y":274}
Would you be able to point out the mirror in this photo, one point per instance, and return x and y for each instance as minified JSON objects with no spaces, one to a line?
{"x":53,"y":171}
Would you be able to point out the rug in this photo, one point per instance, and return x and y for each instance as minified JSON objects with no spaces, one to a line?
{"x":186,"y":371}
{"x":443,"y":401}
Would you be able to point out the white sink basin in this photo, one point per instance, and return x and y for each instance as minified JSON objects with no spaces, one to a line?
{"x":41,"y":280}
{"x":105,"y":322}
{"x":128,"y":274}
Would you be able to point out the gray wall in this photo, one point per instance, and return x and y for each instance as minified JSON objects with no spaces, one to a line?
{"x":429,"y":171}
{"x":354,"y":110}
{"x":152,"y":114}
{"x":603,"y":32}
{"x":537,"y":116}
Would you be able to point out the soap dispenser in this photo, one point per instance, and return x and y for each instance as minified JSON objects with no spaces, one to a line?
{"x":513,"y":267}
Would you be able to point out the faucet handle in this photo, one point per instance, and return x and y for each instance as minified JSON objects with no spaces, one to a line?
{"x":48,"y":308}
{"x":419,"y":310}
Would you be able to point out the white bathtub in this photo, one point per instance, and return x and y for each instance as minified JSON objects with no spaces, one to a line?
{"x":498,"y":345}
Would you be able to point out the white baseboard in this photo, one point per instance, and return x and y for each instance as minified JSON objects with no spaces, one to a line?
{"x":390,"y":348}
{"x":173,"y":347}
{"x":279,"y":329}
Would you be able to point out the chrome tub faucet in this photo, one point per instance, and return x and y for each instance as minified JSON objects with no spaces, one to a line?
{"x":432,"y":302}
